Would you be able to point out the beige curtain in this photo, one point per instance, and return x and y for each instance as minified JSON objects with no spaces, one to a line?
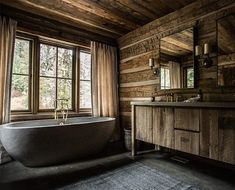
{"x":104,"y":82}
{"x":174,"y":74}
{"x":7,"y":38}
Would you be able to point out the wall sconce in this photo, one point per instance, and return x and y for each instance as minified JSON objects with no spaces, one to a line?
{"x":203,"y":56}
{"x":152,"y":65}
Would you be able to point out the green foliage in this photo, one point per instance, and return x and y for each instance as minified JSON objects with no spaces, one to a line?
{"x":20,"y":76}
{"x":21,"y":57}
{"x":55,"y":76}
{"x":48,"y":68}
{"x":190,"y":78}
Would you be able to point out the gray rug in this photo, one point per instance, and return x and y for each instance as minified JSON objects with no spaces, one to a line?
{"x":135,"y":176}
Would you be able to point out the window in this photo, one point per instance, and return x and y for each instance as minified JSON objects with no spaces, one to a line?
{"x":85,"y":80}
{"x":190,"y":77}
{"x":165,"y":78}
{"x":55,"y":80}
{"x":20,"y":92}
{"x":46,"y":70}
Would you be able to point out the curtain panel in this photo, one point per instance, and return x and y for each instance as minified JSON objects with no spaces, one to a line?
{"x":105,"y":83}
{"x":7,"y":39}
{"x":174,"y":74}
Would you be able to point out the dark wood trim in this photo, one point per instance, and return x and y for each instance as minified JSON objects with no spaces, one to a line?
{"x":35,"y":75}
{"x":31,"y":42}
{"x":195,"y":60}
{"x":45,"y":26}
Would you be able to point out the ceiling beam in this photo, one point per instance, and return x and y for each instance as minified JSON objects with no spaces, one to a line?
{"x":64,"y":12}
{"x":41,"y":25}
{"x":97,"y":9}
{"x":137,"y":7}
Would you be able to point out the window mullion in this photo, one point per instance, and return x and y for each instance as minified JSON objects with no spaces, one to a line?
{"x":56,"y":81}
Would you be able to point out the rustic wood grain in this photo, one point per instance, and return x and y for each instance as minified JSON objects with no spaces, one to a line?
{"x":190,"y":13}
{"x":187,"y":119}
{"x":163,"y":127}
{"x":138,"y":91}
{"x":227,"y":136}
{"x":138,"y":76}
{"x":144,"y":123}
{"x":105,"y":16}
{"x":139,"y":62}
{"x":186,"y":141}
{"x":209,"y":142}
{"x":40,"y":25}
{"x":133,"y":130}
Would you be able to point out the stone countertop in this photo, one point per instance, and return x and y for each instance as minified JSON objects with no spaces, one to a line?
{"x":187,"y":104}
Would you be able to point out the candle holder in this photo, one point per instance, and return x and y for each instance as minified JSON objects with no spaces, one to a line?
{"x":203,"y":55}
{"x":152,"y":65}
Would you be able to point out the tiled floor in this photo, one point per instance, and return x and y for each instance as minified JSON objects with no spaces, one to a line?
{"x":14,"y":175}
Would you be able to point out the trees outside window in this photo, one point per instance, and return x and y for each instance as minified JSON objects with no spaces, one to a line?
{"x":190,"y":77}
{"x":20,"y":87}
{"x":55,"y":80}
{"x":43,"y":72}
{"x":85,"y":80}
{"x":165,"y":78}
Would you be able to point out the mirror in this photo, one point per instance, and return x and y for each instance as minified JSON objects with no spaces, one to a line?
{"x":176,"y":60}
{"x":226,"y":51}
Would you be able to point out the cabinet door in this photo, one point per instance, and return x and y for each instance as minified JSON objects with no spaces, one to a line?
{"x":209,"y":142}
{"x":144,"y":119}
{"x":227,"y":136}
{"x":187,"y":141}
{"x":163,"y":127}
{"x":187,"y":119}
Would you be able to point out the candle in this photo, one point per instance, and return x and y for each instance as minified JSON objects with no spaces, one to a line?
{"x":151,"y":62}
{"x":197,"y":50}
{"x":206,"y":48}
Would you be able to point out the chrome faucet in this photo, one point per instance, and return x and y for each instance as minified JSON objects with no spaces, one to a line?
{"x":64,"y":110}
{"x":171,"y":95}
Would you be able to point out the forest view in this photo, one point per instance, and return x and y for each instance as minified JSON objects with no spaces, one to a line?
{"x":55,"y":76}
{"x":85,"y":80}
{"x":190,"y":78}
{"x":20,"y":76}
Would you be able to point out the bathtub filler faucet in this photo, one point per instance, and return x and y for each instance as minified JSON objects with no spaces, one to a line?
{"x":63,"y":109}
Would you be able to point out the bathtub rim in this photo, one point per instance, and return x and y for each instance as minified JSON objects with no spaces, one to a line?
{"x":7,"y":125}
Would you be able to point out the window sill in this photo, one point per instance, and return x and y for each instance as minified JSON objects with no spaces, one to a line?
{"x":44,"y":115}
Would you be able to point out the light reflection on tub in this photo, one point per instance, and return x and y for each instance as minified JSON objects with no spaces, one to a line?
{"x":44,"y":142}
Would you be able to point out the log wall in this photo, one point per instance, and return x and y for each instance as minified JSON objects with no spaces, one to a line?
{"x":137,"y":82}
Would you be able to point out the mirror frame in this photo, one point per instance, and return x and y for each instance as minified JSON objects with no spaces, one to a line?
{"x":217,"y":54}
{"x":194,"y":59}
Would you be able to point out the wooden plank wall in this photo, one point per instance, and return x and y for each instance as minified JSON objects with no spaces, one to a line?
{"x":137,"y":82}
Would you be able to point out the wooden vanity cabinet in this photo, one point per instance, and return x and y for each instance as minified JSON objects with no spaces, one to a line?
{"x":187,"y":129}
{"x":209,"y":142}
{"x":208,"y":131}
{"x":187,"y":141}
{"x":187,"y":119}
{"x":217,"y":134}
{"x":144,"y":125}
{"x":163,"y":127}
{"x":226,"y":127}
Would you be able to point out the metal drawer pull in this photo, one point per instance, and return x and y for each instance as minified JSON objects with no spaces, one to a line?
{"x":183,"y":139}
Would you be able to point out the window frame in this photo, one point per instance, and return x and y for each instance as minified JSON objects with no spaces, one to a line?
{"x":164,"y":87}
{"x":56,"y":77}
{"x":34,"y":112}
{"x":79,"y":79}
{"x":185,"y":77}
{"x":30,"y":78}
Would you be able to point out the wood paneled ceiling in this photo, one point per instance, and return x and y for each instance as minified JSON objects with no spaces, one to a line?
{"x":109,"y":18}
{"x":178,"y":44}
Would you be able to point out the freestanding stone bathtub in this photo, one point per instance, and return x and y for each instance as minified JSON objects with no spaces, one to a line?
{"x":44,"y":142}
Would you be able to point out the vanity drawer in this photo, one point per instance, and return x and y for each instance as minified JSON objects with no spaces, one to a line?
{"x":187,"y":141}
{"x":187,"y":119}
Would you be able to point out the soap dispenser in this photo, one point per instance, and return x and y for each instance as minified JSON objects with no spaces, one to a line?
{"x":199,"y":95}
